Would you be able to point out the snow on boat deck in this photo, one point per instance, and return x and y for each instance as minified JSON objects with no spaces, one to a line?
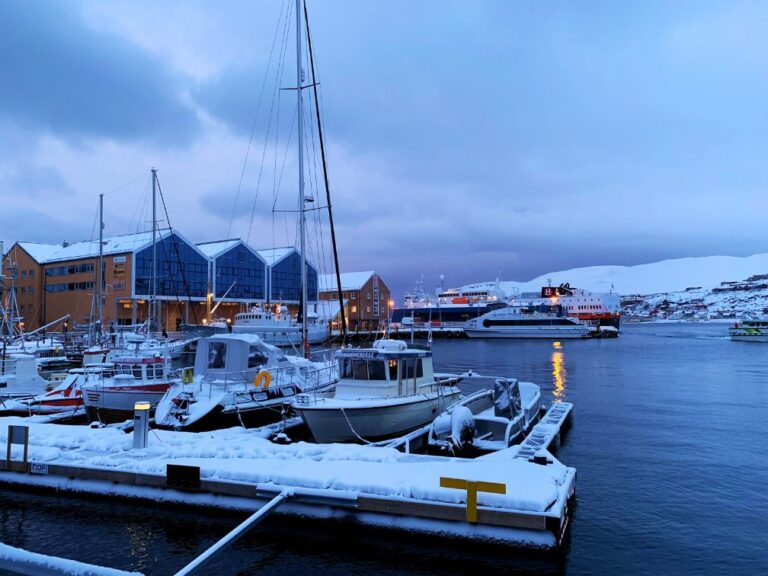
{"x":376,"y":483}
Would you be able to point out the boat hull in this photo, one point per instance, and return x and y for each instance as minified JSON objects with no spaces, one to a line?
{"x":347,"y":423}
{"x":542,"y":332}
{"x":116,"y":404}
{"x":763,"y":337}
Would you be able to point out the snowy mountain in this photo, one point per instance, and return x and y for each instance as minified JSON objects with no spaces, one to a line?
{"x":707,"y":287}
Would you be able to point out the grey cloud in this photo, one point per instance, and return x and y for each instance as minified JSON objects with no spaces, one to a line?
{"x":62,"y":77}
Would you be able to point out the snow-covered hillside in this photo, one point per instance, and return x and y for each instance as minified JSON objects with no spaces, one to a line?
{"x":659,"y":277}
{"x":686,"y":288}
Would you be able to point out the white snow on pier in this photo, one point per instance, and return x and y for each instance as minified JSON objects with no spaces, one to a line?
{"x":239,"y":455}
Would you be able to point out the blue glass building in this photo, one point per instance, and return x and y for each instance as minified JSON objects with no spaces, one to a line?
{"x":181,"y":269}
{"x":284,"y":276}
{"x":237,"y":271}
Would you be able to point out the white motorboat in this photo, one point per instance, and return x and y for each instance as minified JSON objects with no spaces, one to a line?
{"x":19,"y":378}
{"x":750,"y":330}
{"x":66,"y":396}
{"x":541,"y":321}
{"x":383,"y":391}
{"x":112,"y":396}
{"x":491,"y":419}
{"x":278,"y":328}
{"x":240,"y":380}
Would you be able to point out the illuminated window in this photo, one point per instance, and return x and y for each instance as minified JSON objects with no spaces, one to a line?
{"x":354,"y":309}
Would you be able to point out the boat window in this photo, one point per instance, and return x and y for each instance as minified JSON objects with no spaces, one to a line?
{"x":364,"y":370}
{"x":158,"y":371}
{"x":137,"y":371}
{"x":256,"y":357}
{"x":359,"y":370}
{"x":393,"y":370}
{"x":413,"y":367}
{"x":376,"y":370}
{"x":217,"y":351}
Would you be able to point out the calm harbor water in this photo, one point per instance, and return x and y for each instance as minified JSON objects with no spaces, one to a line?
{"x":668,"y":437}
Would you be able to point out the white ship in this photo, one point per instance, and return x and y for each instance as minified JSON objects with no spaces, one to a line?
{"x":531,"y":321}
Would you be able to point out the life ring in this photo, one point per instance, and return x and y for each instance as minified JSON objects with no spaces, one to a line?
{"x":262,"y":379}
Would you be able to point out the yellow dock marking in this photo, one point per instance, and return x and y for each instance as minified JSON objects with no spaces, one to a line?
{"x":473,"y":487}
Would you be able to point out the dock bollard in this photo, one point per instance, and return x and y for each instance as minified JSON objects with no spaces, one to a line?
{"x":140,"y":424}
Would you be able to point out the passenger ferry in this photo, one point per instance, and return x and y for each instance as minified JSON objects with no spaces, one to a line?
{"x":453,"y":308}
{"x":750,"y":330}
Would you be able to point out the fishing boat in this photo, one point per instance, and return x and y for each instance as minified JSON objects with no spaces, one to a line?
{"x":383,"y":391}
{"x":240,"y":380}
{"x":112,"y":396}
{"x":278,"y":327}
{"x":750,"y":330}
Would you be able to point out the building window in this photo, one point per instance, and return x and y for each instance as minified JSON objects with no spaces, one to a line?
{"x":367,"y":295}
{"x":23,"y":289}
{"x":354,"y":309}
{"x":31,"y":273}
{"x":66,"y":270}
{"x":31,"y":289}
{"x":354,"y":295}
{"x":23,"y":273}
{"x":367,"y":309}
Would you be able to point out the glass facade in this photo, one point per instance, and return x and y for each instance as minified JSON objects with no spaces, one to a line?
{"x":247,"y":271}
{"x":181,"y":270}
{"x":286,"y":280}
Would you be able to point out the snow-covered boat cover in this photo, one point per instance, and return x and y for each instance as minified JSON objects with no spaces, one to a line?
{"x":241,"y":455}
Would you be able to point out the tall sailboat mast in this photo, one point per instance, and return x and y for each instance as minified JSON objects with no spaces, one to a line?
{"x":153,"y":296}
{"x":302,"y":214}
{"x":100,"y":272}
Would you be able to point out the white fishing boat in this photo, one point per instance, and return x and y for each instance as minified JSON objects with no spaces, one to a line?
{"x":383,"y":391}
{"x":750,"y":330}
{"x":541,"y":321}
{"x":240,"y":380}
{"x":111,"y":397}
{"x":279,"y":328}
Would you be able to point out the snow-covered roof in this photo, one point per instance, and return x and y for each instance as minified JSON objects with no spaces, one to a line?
{"x":217,"y":247}
{"x":47,"y":253}
{"x":273,"y":255}
{"x":349,"y":281}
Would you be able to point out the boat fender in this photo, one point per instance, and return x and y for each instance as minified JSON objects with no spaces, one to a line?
{"x":262,"y":379}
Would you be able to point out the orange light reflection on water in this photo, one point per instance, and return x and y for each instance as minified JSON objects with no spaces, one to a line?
{"x":558,"y":373}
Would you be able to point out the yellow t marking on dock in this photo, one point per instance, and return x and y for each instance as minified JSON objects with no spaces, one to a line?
{"x":473,"y":487}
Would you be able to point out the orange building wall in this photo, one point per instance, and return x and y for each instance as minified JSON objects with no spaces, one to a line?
{"x":29,"y":283}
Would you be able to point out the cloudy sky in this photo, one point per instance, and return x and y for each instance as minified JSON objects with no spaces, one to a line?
{"x":464,"y":138}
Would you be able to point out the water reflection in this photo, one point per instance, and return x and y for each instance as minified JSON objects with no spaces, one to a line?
{"x":558,"y":372}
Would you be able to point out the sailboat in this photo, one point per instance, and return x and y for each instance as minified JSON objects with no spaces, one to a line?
{"x":242,"y":378}
{"x":142,"y":367}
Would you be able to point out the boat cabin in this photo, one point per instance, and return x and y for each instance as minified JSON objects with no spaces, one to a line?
{"x":387,"y":370}
{"x":140,"y":368}
{"x":235,"y":357}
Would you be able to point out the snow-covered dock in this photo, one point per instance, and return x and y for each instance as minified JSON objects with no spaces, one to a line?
{"x":498,"y":497}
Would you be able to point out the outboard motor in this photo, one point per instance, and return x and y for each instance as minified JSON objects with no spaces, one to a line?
{"x":455,"y":428}
{"x":506,"y":398}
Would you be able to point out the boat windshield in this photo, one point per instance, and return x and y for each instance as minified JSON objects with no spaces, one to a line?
{"x":217,"y":352}
{"x":363,"y":369}
{"x":256,"y":357}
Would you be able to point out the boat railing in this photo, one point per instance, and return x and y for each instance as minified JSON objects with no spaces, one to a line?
{"x":307,"y":378}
